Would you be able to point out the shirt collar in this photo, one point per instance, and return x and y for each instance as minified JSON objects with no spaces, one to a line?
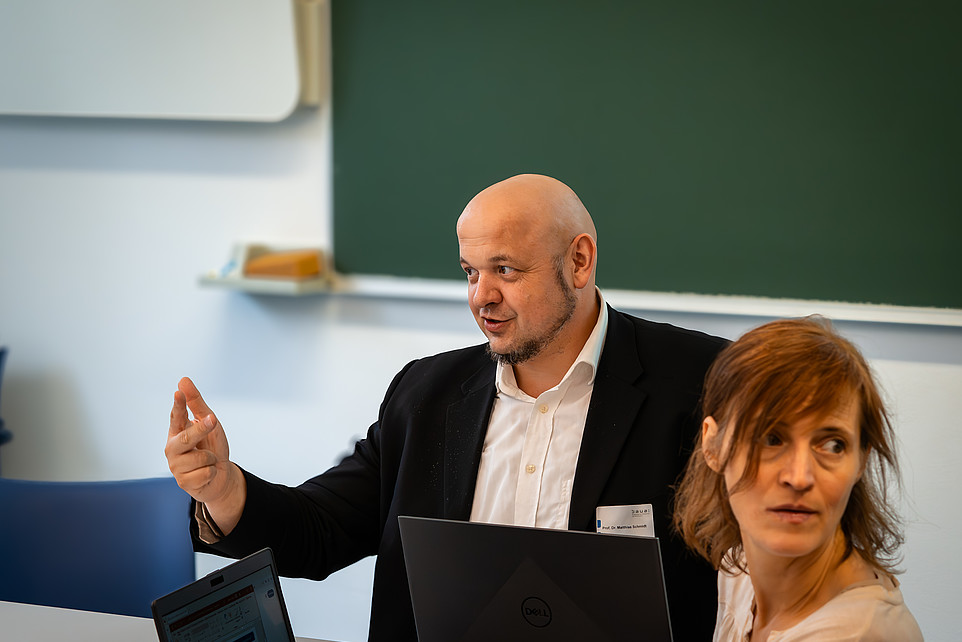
{"x":585,"y":365}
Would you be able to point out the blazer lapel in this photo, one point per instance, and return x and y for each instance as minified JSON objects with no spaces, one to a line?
{"x":465,"y":426}
{"x":615,"y":402}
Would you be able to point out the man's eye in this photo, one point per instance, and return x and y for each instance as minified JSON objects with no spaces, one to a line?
{"x":470,"y":272}
{"x":504,"y":269}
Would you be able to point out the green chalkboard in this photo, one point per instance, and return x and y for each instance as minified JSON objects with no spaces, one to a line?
{"x":790,"y":149}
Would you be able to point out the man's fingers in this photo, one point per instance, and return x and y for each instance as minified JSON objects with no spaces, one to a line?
{"x":183,"y":431}
{"x":190,"y":462}
{"x":190,"y":436}
{"x":178,"y":415}
{"x":196,"y":481}
{"x":195,"y":402}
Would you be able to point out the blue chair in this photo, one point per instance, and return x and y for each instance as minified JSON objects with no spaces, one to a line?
{"x":96,"y":546}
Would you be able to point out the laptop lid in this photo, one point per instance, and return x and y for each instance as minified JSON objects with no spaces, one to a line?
{"x":472,"y":581}
{"x":241,"y":602}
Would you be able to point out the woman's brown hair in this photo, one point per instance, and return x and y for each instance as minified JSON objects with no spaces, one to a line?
{"x":780,"y":372}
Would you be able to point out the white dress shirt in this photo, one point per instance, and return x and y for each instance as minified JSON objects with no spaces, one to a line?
{"x":531,"y":447}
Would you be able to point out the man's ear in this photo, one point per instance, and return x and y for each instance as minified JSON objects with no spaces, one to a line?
{"x":710,"y":445}
{"x":583,"y":255}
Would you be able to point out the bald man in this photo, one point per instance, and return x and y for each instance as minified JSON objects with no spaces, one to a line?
{"x":570,"y":407}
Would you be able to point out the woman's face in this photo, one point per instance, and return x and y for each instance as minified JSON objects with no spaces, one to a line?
{"x":806,"y":472}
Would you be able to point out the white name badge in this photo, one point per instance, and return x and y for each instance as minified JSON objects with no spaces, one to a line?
{"x":636,"y":519}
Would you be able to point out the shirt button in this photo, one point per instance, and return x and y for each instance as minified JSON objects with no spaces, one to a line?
{"x":543,"y":409}
{"x":529,"y":468}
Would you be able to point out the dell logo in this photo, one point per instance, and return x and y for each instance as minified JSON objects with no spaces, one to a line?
{"x":536,"y":612}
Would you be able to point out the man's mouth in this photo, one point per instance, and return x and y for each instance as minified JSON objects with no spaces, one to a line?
{"x":493,"y":324}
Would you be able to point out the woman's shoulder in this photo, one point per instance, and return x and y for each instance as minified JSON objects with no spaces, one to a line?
{"x":872,"y":611}
{"x":865,"y":611}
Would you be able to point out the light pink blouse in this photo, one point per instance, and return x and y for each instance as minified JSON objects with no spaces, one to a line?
{"x":864,"y":612}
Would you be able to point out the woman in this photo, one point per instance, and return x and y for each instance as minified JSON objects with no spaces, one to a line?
{"x":786,"y":492}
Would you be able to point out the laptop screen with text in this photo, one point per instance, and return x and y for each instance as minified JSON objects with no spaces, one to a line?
{"x":240,"y":603}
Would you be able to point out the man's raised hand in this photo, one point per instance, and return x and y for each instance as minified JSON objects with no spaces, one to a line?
{"x":199,"y":457}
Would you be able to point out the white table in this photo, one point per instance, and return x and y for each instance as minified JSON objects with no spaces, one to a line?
{"x":32,"y":623}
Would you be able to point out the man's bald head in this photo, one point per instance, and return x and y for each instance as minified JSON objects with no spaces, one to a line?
{"x":534,"y":204}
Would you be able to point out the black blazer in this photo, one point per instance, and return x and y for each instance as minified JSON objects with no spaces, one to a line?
{"x":422,"y":456}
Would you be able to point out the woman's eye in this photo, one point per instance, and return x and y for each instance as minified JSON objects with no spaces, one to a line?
{"x":771,"y":439}
{"x":834,"y":446}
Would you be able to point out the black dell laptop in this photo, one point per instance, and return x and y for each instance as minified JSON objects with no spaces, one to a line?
{"x":241,"y":602}
{"x":472,"y":582}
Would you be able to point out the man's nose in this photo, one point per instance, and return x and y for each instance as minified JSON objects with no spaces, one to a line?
{"x":485,"y":292}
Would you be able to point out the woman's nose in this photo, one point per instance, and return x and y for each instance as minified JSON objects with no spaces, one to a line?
{"x":797,"y":469}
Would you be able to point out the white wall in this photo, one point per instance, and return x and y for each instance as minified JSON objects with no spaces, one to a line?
{"x":105,"y":226}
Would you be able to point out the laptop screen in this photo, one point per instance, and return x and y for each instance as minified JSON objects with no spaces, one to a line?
{"x":239,"y":603}
{"x":480,"y":582}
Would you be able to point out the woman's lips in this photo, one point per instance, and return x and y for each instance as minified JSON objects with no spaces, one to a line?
{"x":793,"y":514}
